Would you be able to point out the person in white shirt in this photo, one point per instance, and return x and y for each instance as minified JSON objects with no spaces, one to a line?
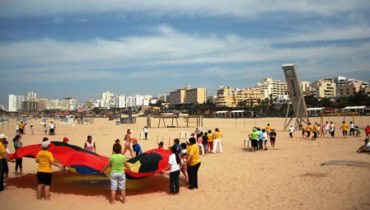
{"x":291,"y":130}
{"x":146,"y":131}
{"x":351,"y":129}
{"x":327,"y":128}
{"x":264,"y":138}
{"x":51,"y":128}
{"x":174,"y":166}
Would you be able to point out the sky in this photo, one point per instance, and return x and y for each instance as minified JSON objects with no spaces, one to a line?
{"x":79,"y":48}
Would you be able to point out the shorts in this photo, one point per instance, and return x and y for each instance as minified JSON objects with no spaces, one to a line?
{"x":117,"y":181}
{"x":44,"y":178}
{"x":254,"y":143}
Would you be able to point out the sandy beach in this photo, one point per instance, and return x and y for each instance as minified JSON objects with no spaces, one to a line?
{"x":289,"y":177}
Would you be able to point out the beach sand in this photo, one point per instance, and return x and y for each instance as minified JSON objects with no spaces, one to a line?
{"x":290,"y":177}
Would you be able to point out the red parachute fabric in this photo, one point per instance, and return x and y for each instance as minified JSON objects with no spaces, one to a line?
{"x":151,"y":162}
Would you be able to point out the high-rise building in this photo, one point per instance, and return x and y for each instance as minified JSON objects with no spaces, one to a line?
{"x":42,"y":104}
{"x":31,"y":96}
{"x":225,"y":97}
{"x":248,"y":96}
{"x":15,"y":103}
{"x":349,"y":88}
{"x":121,"y":101}
{"x":177,"y":96}
{"x":272,"y":88}
{"x":196,"y":95}
{"x":305,"y":87}
{"x":108,"y":100}
{"x":324,"y":88}
{"x":130,"y":101}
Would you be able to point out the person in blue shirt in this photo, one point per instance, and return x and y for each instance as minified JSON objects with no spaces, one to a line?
{"x":136,"y":147}
{"x":260,"y":138}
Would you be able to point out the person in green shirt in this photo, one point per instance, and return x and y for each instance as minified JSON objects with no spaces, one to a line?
{"x":117,"y":162}
{"x":254,"y":139}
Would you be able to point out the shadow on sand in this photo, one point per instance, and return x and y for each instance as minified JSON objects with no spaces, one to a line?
{"x":91,"y":185}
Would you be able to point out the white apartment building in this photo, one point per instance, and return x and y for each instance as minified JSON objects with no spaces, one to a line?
{"x":15,"y":103}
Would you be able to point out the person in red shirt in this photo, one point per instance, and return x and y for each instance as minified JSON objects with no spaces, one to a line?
{"x":367,"y":131}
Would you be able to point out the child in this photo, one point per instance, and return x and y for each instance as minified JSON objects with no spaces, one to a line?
{"x":205,"y":142}
{"x":18,"y":162}
{"x":260,"y":138}
{"x":291,"y":130}
{"x":272,"y":138}
{"x":308,"y":130}
{"x":254,"y":139}
{"x":264,"y":135}
{"x":118,"y":178}
{"x":136,"y":147}
{"x":200,"y":142}
{"x":31,"y":126}
{"x":184,"y":168}
{"x":44,"y":172}
{"x":210,"y":140}
{"x":174,"y":166}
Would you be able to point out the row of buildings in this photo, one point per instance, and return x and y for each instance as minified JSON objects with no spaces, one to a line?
{"x":277,"y":91}
{"x":274,"y":90}
{"x":31,"y":102}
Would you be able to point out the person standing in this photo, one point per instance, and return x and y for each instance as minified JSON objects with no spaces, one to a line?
{"x":327,"y":128}
{"x":146,"y":132}
{"x":174,"y":166}
{"x":193,"y":161}
{"x":367,"y":131}
{"x":344,"y":128}
{"x":351,"y":129}
{"x":90,"y":144}
{"x":18,"y":161}
{"x":117,"y":162}
{"x":52,"y":128}
{"x":254,"y":139}
{"x":332,"y":129}
{"x":217,"y":141}
{"x":128,"y":140}
{"x":273,"y":138}
{"x":210,"y":137}
{"x":268,"y":129}
{"x":3,"y":155}
{"x":291,"y":130}
{"x":315,"y":130}
{"x":45,"y":159}
{"x":308,"y":130}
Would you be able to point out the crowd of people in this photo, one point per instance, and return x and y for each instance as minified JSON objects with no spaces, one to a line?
{"x":328,"y":129}
{"x":259,"y":137}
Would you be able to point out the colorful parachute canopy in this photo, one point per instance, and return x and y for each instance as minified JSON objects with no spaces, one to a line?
{"x":85,"y":162}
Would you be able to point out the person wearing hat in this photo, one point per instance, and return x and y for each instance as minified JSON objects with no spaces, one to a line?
{"x":2,"y":156}
{"x":136,"y":147}
{"x":44,"y":172}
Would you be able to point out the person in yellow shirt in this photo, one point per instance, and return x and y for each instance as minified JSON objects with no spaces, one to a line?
{"x":268,"y":129}
{"x":217,"y":141}
{"x":308,"y":130}
{"x":44,"y":172}
{"x":315,"y":130}
{"x":210,"y":137}
{"x":2,"y":156}
{"x":193,"y":162}
{"x":344,"y":128}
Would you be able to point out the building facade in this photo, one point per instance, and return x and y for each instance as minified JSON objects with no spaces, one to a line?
{"x":15,"y":103}
{"x":324,"y":89}
{"x":188,"y":96}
